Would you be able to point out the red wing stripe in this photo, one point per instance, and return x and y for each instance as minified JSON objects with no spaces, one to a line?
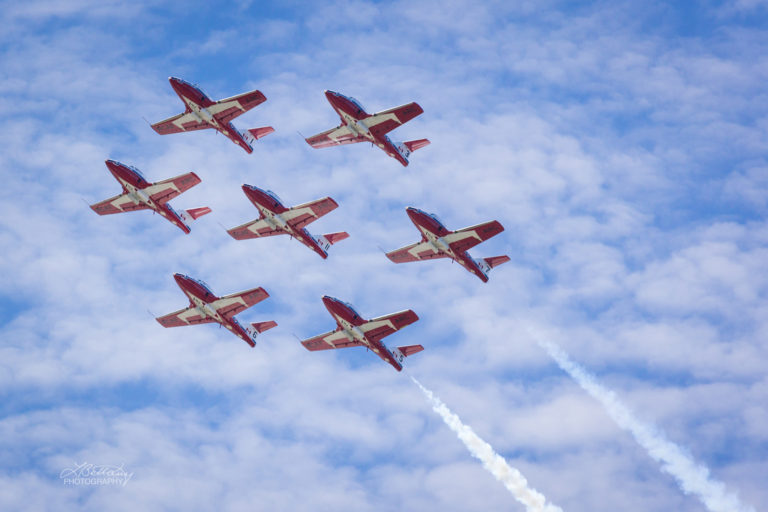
{"x":302,"y":220}
{"x":229,"y":114}
{"x":232,"y":310}
{"x":165,"y":195}
{"x":380,"y":332}
{"x":130,"y":206}
{"x":422,"y":250}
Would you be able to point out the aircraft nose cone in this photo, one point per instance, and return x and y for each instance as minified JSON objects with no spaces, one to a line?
{"x":179,"y":85}
{"x":248,"y":189}
{"x":256,"y":195}
{"x":414,"y":213}
{"x":331,"y":303}
{"x":118,"y":170}
{"x":251,"y":190}
{"x":332,"y":97}
{"x":112,"y":165}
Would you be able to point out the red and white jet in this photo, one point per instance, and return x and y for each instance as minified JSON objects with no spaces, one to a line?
{"x":202,"y":113}
{"x":439,"y":242}
{"x":139,"y":194}
{"x":276,"y":219}
{"x":354,"y":331}
{"x":205,"y":307}
{"x":359,"y":126}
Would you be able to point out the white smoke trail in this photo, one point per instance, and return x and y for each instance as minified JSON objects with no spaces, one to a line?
{"x":512,"y":479}
{"x":691,"y":477}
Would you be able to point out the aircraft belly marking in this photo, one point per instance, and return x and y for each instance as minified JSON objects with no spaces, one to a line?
{"x":352,"y":332}
{"x":138,"y":196}
{"x":201,"y":114}
{"x":275,"y":220}
{"x":357,"y":127}
{"x":205,"y":309}
{"x":436,"y":243}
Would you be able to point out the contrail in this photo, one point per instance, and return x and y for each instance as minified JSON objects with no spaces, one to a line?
{"x":512,"y":479}
{"x":692,"y":478}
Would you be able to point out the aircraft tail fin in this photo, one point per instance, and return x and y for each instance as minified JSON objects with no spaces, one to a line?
{"x":413,"y":145}
{"x":409,"y":350}
{"x":194,"y":213}
{"x":406,"y":148}
{"x":401,"y":353}
{"x":252,"y":135}
{"x":332,"y":238}
{"x":257,"y":328}
{"x":327,"y":240}
{"x":263,"y":326}
{"x":258,"y":133}
{"x":494,"y":261}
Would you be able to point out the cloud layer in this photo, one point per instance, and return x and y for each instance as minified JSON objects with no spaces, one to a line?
{"x":622,"y":147}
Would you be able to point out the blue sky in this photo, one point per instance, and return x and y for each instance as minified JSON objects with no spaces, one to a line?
{"x":622,"y":145}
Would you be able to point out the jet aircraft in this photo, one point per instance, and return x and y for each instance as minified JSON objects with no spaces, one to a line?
{"x":439,"y":242}
{"x":202,"y":112}
{"x":205,"y":307}
{"x":139,"y":194}
{"x":276,"y":219}
{"x":353,"y":331}
{"x":359,"y":126}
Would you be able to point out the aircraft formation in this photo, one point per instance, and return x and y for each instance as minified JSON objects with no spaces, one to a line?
{"x":352,"y":330}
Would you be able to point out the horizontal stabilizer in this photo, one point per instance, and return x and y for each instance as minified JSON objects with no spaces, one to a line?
{"x":325,"y":241}
{"x":413,"y":145}
{"x":261,"y":132}
{"x":486,"y":264}
{"x":409,"y":350}
{"x":196,"y":213}
{"x":406,"y":148}
{"x":263,"y":326}
{"x":495,"y":261}
{"x":336,"y":237}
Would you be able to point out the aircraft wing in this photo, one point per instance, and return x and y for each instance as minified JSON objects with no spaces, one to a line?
{"x":330,"y":340}
{"x":303,"y":214}
{"x":186,"y":316}
{"x":381,"y":327}
{"x":184,"y":122}
{"x":415,"y":252}
{"x":231,"y":305}
{"x":229,"y":108}
{"x":258,"y":228}
{"x":163,"y":191}
{"x":465,"y":239}
{"x":118,"y":204}
{"x":387,"y":120}
{"x":334,"y":137}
